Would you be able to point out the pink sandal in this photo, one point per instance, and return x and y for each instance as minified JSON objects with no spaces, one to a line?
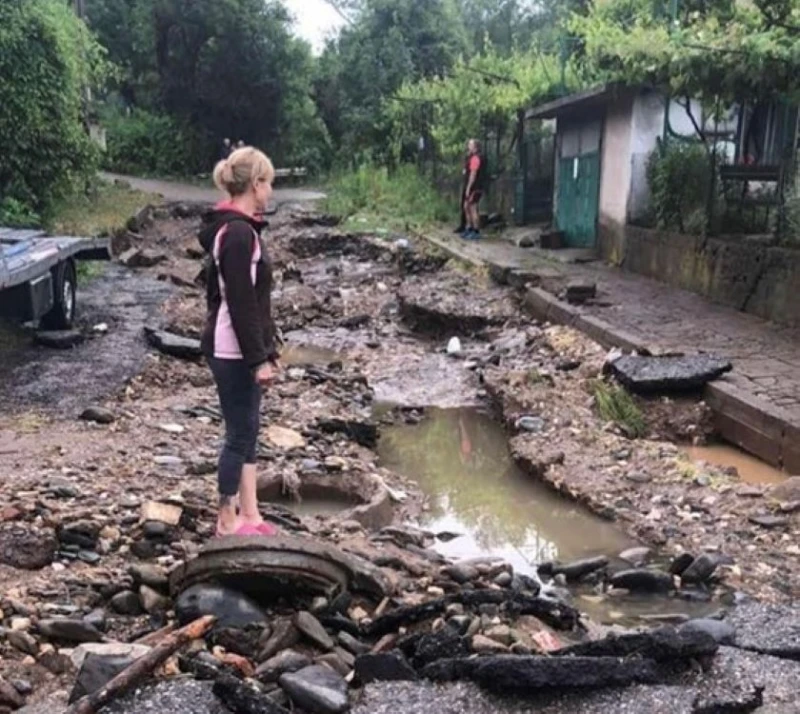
{"x":244,"y":530}
{"x":266,"y":528}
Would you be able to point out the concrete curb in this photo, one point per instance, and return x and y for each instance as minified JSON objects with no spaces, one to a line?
{"x":758,"y":427}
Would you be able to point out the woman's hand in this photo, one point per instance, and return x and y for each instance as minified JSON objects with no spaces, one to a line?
{"x":266,"y":373}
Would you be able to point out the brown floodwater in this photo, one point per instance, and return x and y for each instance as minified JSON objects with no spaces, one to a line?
{"x":749,"y":468}
{"x":460,"y":459}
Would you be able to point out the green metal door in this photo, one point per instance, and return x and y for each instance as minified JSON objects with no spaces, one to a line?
{"x":579,"y":185}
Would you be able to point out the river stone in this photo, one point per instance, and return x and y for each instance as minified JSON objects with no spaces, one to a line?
{"x":126,"y":603}
{"x":83,"y":534}
{"x":98,"y":415}
{"x":242,"y":697}
{"x":173,"y":345}
{"x":99,"y":663}
{"x":27,"y":548}
{"x":153,"y":576}
{"x":701,"y":569}
{"x":23,"y":641}
{"x":662,"y":645}
{"x":524,"y":674}
{"x":723,"y":632}
{"x":283,"y":636}
{"x":786,"y":492}
{"x":670,"y":373}
{"x":681,"y":563}
{"x":635,"y":556}
{"x":152,"y":600}
{"x":283,"y":662}
{"x":461,"y":573}
{"x":642,"y":580}
{"x":231,"y":608}
{"x":9,"y":695}
{"x":311,"y":627}
{"x":351,"y":644}
{"x":317,"y":689}
{"x":385,"y":667}
{"x":67,"y":630}
{"x":767,"y":520}
{"x":580,"y":568}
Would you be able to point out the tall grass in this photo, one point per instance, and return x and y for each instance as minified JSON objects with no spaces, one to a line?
{"x":372,"y":197}
{"x":614,"y":404}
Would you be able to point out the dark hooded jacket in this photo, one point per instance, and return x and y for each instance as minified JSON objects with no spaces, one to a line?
{"x":239,"y":324}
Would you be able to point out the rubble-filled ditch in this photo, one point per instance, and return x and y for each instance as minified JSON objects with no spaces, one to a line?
{"x":415,"y":480}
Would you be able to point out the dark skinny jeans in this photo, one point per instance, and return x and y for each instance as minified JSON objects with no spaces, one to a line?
{"x":240,"y":400}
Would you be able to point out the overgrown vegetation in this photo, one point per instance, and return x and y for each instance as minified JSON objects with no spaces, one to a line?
{"x":680,"y":178}
{"x":371,"y":197}
{"x":47,"y":60}
{"x":615,"y":404}
{"x":104,"y":210}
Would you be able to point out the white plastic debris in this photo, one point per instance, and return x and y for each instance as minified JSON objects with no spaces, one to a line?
{"x":100,"y":329}
{"x":454,"y":346}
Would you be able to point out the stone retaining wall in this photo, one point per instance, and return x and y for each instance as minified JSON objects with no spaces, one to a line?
{"x":750,"y":274}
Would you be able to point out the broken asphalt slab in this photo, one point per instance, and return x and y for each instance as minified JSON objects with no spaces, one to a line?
{"x":669,"y":373}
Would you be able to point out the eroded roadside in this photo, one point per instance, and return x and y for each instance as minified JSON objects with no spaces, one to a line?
{"x":366,"y":322}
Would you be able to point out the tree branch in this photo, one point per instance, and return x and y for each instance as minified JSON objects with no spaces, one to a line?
{"x":688,"y":107}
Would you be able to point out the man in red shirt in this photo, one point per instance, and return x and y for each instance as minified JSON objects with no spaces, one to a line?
{"x":476,"y":185}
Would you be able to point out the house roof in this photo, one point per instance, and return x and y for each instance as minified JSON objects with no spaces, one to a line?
{"x":581,"y":101}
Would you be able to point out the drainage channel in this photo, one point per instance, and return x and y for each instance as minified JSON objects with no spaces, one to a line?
{"x":484,"y":505}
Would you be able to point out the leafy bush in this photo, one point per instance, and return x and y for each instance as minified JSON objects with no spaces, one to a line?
{"x":391,"y":199}
{"x":17,"y":214}
{"x":143,"y":143}
{"x":614,"y":404}
{"x":47,"y":59}
{"x":679,"y":175}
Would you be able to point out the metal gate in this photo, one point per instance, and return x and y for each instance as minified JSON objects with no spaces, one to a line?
{"x":579,"y":183}
{"x":533,"y":200}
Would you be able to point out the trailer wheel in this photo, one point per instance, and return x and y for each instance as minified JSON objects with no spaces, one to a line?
{"x":65,"y":282}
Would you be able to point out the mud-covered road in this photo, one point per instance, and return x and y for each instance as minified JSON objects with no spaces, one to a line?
{"x":390,"y":442}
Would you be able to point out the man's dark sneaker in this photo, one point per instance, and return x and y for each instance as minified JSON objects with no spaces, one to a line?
{"x":460,"y":230}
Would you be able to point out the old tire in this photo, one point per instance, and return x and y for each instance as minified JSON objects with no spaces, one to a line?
{"x":62,"y":314}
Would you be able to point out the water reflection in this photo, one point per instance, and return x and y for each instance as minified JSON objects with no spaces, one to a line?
{"x":460,"y":459}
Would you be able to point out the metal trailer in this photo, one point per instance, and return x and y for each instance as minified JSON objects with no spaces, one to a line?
{"x":38,"y":275}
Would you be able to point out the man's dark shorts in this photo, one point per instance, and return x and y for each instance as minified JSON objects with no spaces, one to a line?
{"x":474,"y":198}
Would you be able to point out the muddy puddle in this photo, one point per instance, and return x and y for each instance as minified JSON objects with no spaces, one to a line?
{"x":749,"y":468}
{"x":460,"y":459}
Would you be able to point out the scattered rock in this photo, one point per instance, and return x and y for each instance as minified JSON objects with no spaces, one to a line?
{"x":83,"y":534}
{"x":283,"y":662}
{"x":578,"y":293}
{"x":385,"y":667}
{"x":284,"y":438}
{"x":60,"y":339}
{"x":531,"y":424}
{"x":152,"y":601}
{"x":174,"y":345}
{"x":99,"y":415}
{"x":311,"y":627}
{"x":27,"y":548}
{"x":141,"y":258}
{"x":243,"y":697}
{"x":578,"y":569}
{"x":481,"y":644}
{"x":666,"y":374}
{"x":153,"y":576}
{"x":317,"y":689}
{"x":155,"y":511}
{"x":283,"y":636}
{"x":9,"y":696}
{"x":23,"y":642}
{"x":68,"y":630}
{"x":641,"y":580}
{"x":461,"y":573}
{"x":126,"y":603}
{"x":231,"y":608}
{"x":681,"y":563}
{"x":700,"y":571}
{"x":351,"y":644}
{"x":100,"y":665}
{"x":635,"y":556}
{"x":786,"y":492}
{"x":767,"y":520}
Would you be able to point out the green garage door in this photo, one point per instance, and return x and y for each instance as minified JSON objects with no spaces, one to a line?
{"x":579,"y":184}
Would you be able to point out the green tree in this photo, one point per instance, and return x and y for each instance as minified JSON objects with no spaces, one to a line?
{"x":47,"y":60}
{"x":388,"y":43}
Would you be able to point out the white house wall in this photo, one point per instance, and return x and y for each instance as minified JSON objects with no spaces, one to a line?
{"x":615,"y":171}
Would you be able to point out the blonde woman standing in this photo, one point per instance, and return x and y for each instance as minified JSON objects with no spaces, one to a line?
{"x":239,"y":337}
